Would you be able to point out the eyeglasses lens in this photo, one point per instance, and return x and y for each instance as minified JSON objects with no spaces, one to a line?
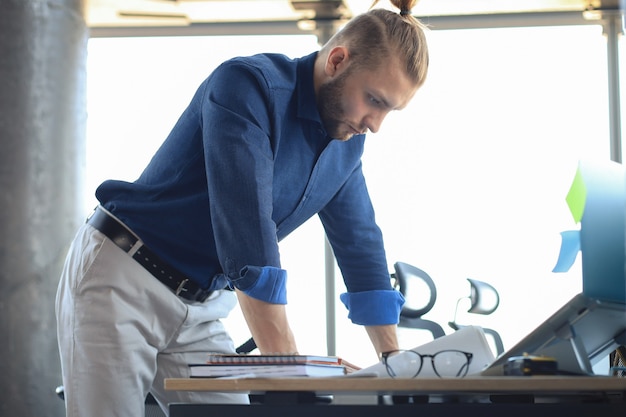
{"x":450,"y":364}
{"x":404,"y":364}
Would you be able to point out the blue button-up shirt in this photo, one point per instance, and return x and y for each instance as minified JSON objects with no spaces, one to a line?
{"x":247,"y":163}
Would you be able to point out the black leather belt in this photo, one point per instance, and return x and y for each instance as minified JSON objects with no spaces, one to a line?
{"x":126,"y":240}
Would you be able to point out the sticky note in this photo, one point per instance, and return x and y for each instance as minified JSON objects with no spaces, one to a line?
{"x":577,"y":196}
{"x":570,"y":246}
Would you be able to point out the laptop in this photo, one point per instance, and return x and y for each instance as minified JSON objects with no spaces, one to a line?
{"x":593,"y":323}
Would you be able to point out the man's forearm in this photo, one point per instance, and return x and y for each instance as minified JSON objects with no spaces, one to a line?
{"x":384,"y":338}
{"x":268,"y":325}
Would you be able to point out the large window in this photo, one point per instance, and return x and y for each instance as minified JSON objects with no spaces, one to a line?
{"x":468,"y":182}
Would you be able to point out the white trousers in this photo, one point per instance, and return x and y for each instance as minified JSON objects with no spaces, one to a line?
{"x":121,"y":332}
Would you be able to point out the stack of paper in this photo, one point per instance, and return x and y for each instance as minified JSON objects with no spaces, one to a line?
{"x":268,"y":366}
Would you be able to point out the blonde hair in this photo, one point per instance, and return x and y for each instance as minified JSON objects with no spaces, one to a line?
{"x":378,"y":34}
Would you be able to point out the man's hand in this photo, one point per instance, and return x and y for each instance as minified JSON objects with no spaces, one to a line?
{"x":268,"y":325}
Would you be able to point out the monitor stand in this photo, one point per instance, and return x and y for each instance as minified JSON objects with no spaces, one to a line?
{"x":568,"y":332}
{"x":571,"y":354}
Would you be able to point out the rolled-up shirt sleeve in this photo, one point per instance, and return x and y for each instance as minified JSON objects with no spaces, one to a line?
{"x":263,"y":283}
{"x":377,"y":307}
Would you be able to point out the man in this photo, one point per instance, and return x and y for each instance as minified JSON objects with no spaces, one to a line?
{"x":266,"y":143}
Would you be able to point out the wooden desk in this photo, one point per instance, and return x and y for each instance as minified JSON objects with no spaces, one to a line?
{"x":471,"y":396}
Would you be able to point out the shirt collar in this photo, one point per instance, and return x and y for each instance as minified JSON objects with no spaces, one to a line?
{"x":307,"y":101}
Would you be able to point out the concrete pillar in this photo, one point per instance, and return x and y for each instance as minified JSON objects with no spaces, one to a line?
{"x":42,"y":135}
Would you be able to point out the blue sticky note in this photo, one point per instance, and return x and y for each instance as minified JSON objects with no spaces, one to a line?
{"x":570,"y":246}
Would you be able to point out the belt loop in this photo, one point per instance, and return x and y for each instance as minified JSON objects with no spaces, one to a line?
{"x":181,"y":286}
{"x":138,"y":244}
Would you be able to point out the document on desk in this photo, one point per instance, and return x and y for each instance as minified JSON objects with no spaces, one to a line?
{"x":468,"y":339}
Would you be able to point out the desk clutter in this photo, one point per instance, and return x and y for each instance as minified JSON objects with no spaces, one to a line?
{"x":433,"y":359}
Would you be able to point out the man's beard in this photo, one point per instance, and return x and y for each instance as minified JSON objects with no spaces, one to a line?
{"x":329,"y":107}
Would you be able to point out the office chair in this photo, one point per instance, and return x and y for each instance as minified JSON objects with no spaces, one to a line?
{"x":484,"y":299}
{"x":420,"y":294}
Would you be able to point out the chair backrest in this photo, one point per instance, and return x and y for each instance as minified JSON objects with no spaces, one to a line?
{"x":484,"y":299}
{"x":420,"y":293}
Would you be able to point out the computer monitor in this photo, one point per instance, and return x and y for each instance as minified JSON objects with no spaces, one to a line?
{"x":579,"y":335}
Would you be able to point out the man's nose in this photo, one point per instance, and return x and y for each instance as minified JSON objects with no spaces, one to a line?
{"x":374,"y":121}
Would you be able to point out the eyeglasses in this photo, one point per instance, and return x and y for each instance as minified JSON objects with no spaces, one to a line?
{"x":445,"y":363}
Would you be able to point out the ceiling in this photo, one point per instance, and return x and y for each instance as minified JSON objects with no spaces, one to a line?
{"x":179,"y":17}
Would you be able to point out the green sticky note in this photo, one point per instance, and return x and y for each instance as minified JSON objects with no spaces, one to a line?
{"x":577,"y":196}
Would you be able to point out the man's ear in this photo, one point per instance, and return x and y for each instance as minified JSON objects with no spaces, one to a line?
{"x":337,"y":60}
